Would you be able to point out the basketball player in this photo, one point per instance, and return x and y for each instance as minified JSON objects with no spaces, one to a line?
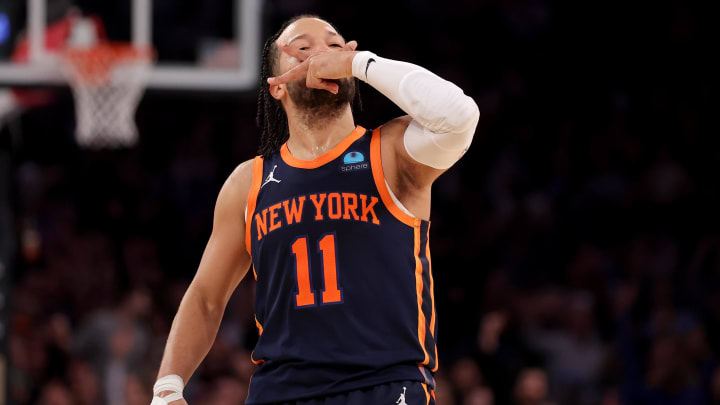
{"x":333,"y":219}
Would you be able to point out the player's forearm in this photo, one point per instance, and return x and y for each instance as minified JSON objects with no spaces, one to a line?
{"x":191,"y":336}
{"x":444,"y":118}
{"x":437,"y":104}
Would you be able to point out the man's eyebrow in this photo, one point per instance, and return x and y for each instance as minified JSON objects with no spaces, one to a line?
{"x":334,"y":34}
{"x":304,"y":36}
{"x":301,"y":36}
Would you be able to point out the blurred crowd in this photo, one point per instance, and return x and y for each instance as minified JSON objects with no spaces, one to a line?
{"x":576,"y":251}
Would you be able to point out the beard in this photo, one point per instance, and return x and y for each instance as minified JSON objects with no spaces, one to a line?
{"x":319,"y":105}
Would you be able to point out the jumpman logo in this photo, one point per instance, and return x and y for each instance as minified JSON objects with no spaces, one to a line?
{"x":401,"y":400}
{"x":270,"y":177}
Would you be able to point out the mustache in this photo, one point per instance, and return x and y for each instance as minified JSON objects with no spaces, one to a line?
{"x":339,"y":82}
{"x":319,"y":99}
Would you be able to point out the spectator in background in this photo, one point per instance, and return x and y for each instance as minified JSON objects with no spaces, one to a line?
{"x":443,"y":391}
{"x":480,"y":396}
{"x":117,"y":369}
{"x":136,"y":392}
{"x":502,"y":352}
{"x":84,"y":384}
{"x":669,"y":376}
{"x":116,"y":342}
{"x":573,"y":351}
{"x":715,"y":387}
{"x":227,"y":391}
{"x":59,"y":341}
{"x":466,"y":377}
{"x":55,"y":393}
{"x":531,"y":388}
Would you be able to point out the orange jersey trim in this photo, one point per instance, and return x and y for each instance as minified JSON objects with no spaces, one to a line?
{"x":252,"y":200}
{"x":422,"y":325}
{"x":427,"y":394}
{"x":328,"y":156}
{"x":379,"y":177}
{"x":432,"y":297}
{"x":260,"y":332}
{"x":432,"y":283}
{"x":258,"y":362}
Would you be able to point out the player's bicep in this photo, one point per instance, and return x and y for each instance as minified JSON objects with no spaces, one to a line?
{"x":225,"y":262}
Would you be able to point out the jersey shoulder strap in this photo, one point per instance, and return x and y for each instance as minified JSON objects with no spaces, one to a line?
{"x":252,"y":198}
{"x":388,"y":199}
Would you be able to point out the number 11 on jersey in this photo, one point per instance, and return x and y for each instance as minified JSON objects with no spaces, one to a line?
{"x":331,"y":293}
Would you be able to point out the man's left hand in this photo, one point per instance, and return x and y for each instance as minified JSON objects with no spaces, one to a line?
{"x":318,"y":68}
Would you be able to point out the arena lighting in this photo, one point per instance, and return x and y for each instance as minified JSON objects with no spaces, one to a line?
{"x":4,"y":28}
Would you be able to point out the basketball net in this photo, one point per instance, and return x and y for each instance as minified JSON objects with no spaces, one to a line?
{"x":107,"y":81}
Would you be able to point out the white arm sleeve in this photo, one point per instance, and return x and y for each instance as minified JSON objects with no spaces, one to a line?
{"x":444,"y":118}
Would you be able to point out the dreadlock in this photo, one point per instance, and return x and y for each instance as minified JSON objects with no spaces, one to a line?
{"x":271,"y":117}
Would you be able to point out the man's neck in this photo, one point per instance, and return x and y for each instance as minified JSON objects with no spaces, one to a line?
{"x":309,"y":140}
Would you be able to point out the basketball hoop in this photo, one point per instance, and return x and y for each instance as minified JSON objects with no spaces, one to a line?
{"x":107,"y":81}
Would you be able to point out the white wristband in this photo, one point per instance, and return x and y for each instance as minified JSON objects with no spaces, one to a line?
{"x":166,"y":399}
{"x":360,"y":64}
{"x":173,"y":383}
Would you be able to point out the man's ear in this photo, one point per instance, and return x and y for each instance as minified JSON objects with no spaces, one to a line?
{"x":277,"y":91}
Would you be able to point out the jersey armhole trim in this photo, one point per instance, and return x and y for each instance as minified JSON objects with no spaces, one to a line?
{"x":252,"y":199}
{"x":381,"y":185}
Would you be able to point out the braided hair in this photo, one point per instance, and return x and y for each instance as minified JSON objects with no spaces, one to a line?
{"x":271,"y":117}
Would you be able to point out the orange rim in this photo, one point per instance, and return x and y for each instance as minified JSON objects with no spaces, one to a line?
{"x":93,"y":64}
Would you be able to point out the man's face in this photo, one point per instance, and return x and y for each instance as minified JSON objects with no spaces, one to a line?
{"x":310,"y":36}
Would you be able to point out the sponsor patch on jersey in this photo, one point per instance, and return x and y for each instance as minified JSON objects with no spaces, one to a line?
{"x":353,"y":157}
{"x":353,"y":161}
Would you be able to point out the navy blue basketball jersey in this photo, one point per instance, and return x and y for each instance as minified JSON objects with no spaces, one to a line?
{"x":344,"y":296}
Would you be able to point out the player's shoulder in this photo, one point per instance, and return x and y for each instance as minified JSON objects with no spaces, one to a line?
{"x":237,"y":186}
{"x":395,"y":127}
{"x":243,"y":173}
{"x":391,"y":138}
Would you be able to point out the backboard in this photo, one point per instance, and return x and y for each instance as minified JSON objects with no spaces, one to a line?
{"x":215,"y":63}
